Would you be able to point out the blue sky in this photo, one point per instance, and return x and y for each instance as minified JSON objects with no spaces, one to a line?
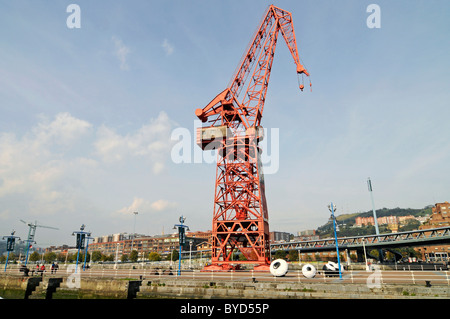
{"x":86,"y":114}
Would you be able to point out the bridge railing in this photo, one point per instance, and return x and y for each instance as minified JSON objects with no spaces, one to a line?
{"x":417,"y":235}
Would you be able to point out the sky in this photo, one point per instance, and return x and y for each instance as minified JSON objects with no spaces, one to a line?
{"x":88,"y":111}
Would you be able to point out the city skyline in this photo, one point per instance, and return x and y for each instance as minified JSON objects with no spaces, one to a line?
{"x":87,"y":114}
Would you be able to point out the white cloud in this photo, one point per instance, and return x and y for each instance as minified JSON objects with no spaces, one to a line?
{"x":64,"y":129}
{"x":162,"y":205}
{"x":151,"y":141}
{"x":168,"y":47}
{"x":121,"y":51}
{"x":138,"y":204}
{"x":141,"y":205}
{"x":53,"y":168}
{"x":35,"y":172}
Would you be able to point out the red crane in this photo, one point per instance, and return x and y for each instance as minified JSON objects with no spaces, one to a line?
{"x":232,"y":126}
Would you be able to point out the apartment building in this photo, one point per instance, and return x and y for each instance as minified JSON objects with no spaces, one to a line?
{"x":440,"y":217}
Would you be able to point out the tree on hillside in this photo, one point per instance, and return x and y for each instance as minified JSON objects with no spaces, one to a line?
{"x":410,"y":225}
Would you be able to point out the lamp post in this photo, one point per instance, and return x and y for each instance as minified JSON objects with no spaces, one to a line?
{"x":181,"y":237}
{"x":134,"y":232}
{"x":332,"y":209}
{"x":190,"y":254}
{"x":86,"y":252}
{"x":81,"y":237}
{"x":375,"y":219}
{"x":11,"y":239}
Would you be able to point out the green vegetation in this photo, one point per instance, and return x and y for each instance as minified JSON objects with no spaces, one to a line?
{"x":154,"y":256}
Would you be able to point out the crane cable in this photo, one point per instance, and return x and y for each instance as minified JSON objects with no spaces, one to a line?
{"x":302,"y":85}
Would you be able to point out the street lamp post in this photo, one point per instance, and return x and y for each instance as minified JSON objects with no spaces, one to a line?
{"x":81,"y":237}
{"x":10,"y":245}
{"x":134,"y":232}
{"x":190,"y":253}
{"x":332,"y":209}
{"x":86,"y":252}
{"x":375,"y":219}
{"x":181,"y":237}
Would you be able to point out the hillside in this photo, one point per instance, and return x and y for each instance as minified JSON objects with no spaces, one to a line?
{"x":346,"y":222}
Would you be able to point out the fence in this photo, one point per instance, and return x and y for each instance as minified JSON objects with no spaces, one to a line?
{"x":375,"y":277}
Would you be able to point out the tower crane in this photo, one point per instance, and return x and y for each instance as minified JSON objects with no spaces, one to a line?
{"x":232,"y":126}
{"x":31,"y":234}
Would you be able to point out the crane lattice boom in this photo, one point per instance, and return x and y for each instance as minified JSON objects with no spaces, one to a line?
{"x":233,"y":127}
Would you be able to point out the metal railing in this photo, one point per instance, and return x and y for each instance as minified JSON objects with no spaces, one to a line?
{"x":375,"y":277}
{"x":409,"y":238}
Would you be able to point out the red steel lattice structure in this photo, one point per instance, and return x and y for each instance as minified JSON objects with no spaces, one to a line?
{"x":240,"y":218}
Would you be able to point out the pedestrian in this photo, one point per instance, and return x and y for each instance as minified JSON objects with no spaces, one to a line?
{"x":56,"y":266}
{"x":42,"y":269}
{"x":53,"y":268}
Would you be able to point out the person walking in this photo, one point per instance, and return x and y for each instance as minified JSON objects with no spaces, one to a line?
{"x":42,"y":269}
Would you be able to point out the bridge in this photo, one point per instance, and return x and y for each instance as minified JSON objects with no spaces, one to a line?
{"x":415,"y":238}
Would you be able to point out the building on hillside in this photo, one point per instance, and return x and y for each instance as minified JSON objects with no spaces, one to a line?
{"x":392,"y":222}
{"x":385,"y":220}
{"x":405,"y":219}
{"x":440,"y":217}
